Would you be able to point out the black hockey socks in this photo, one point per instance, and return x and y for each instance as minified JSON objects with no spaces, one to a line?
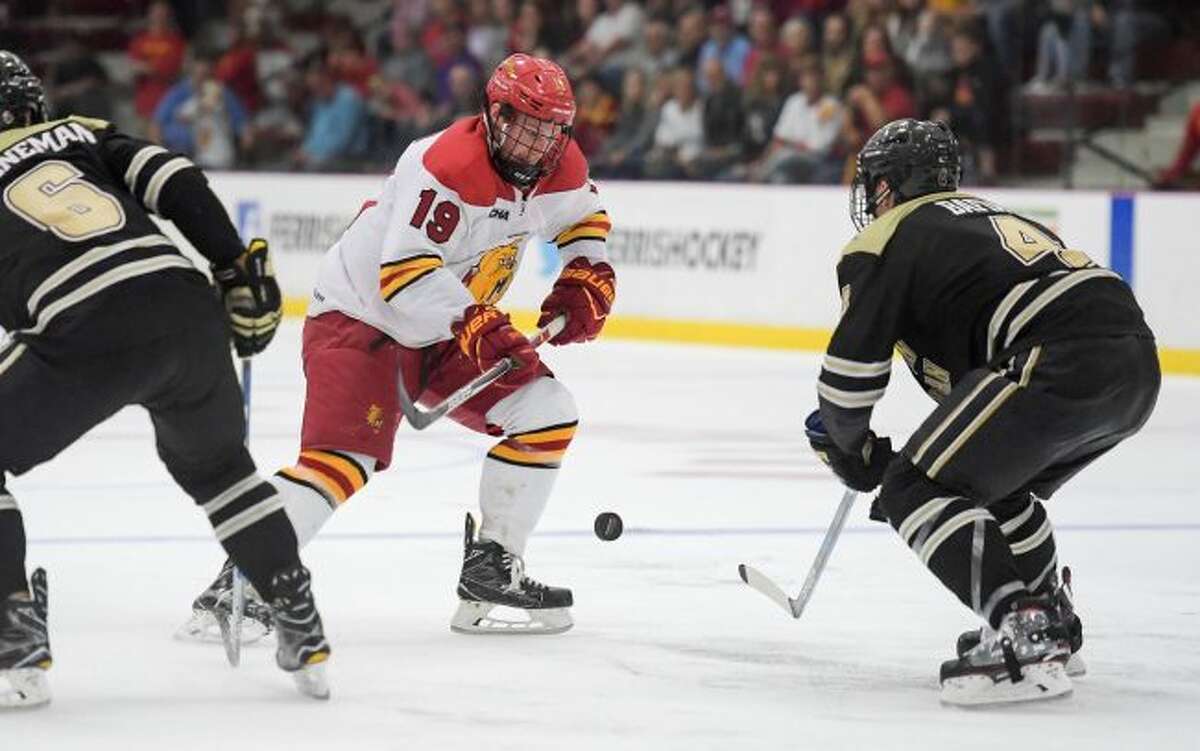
{"x":961,"y":544}
{"x":12,"y":545}
{"x":249,"y":521}
{"x":1030,"y":536}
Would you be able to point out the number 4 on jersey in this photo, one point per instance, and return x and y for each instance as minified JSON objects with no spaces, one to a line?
{"x":1029,"y":244}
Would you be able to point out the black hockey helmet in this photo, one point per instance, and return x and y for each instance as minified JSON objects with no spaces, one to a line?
{"x":914,"y":156}
{"x":22,"y":99}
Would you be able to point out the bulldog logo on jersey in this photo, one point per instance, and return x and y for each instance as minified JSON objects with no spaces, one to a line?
{"x":490,"y":278}
{"x":375,"y":417}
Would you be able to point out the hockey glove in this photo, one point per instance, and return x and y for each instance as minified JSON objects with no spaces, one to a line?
{"x":584,"y":292}
{"x":861,"y":470}
{"x":486,"y":336}
{"x":251,"y":297}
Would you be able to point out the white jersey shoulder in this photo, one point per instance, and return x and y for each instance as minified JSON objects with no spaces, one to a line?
{"x":446,"y":231}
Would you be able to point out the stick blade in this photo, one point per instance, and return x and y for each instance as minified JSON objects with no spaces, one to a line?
{"x":763,"y":584}
{"x":421,"y":420}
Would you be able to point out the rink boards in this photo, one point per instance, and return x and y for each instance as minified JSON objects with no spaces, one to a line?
{"x":744,"y":264}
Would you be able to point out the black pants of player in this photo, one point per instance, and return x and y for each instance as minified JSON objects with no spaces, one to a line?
{"x":52,"y":393}
{"x":965,"y":492}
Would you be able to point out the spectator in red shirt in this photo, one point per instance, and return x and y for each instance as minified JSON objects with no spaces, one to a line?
{"x":237,"y":68}
{"x":876,"y":102}
{"x":763,"y":39}
{"x":348,"y":60}
{"x":1174,"y":175}
{"x":595,"y":115}
{"x":157,"y":55}
{"x":875,"y":48}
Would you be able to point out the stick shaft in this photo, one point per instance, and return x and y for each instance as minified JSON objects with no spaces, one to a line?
{"x":247,"y":374}
{"x":231,"y":633}
{"x":421,"y":419}
{"x":818,"y":566}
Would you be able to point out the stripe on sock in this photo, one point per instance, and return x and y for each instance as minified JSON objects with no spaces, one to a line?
{"x":544,"y":447}
{"x":308,"y":479}
{"x":250,"y":498}
{"x":340,"y":475}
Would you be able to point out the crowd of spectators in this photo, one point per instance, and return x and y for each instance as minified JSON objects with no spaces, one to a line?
{"x":780,"y":91}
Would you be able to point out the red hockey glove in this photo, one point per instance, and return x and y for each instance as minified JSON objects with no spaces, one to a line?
{"x":585,"y":293}
{"x":486,"y":336}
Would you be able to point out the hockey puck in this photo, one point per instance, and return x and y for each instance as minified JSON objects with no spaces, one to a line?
{"x":608,"y":526}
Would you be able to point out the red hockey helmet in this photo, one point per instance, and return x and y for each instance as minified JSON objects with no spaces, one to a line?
{"x":529,"y":129}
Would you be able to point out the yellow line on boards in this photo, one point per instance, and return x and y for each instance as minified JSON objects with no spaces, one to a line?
{"x":1179,"y":360}
{"x":761,"y":336}
{"x":295,"y":307}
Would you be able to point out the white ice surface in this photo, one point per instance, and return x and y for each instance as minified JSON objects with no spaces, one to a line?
{"x":700,"y":451}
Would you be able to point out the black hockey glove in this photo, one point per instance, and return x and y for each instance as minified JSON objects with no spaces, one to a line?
{"x":861,"y":470}
{"x":251,"y":297}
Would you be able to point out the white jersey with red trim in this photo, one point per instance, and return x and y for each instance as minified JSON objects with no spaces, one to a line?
{"x":446,"y":232}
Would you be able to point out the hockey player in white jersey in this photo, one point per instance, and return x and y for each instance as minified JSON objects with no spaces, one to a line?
{"x":410,"y":288}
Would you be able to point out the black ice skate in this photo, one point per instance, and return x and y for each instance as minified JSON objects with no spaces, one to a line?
{"x":1025,"y":660}
{"x":491,"y":577}
{"x":25,"y":647}
{"x":1064,"y":597}
{"x":302,"y":649}
{"x":215,"y":603}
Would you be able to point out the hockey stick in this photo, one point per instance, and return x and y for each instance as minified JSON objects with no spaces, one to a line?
{"x":231,"y":628}
{"x":795,"y":605}
{"x":423,"y":418}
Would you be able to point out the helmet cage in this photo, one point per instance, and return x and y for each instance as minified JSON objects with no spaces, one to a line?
{"x":519,"y":131}
{"x":22,"y":98}
{"x":862,"y":203}
{"x":915,"y":157}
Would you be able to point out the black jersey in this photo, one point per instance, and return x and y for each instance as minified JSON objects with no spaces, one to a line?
{"x":76,"y":219}
{"x":956,"y":283}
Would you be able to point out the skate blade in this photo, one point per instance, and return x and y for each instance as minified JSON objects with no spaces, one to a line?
{"x":202,"y":627}
{"x":1076,"y":666}
{"x":475,"y":618}
{"x":1043,"y":680}
{"x":27,"y":688}
{"x":311,"y":681}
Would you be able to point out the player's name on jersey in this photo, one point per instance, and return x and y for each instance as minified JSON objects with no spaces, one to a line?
{"x":47,"y":141}
{"x":961,"y":206}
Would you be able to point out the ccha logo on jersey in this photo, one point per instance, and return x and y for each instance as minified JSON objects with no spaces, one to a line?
{"x":498,"y":214}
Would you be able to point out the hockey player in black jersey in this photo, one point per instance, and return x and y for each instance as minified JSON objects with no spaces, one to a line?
{"x":1039,"y":360}
{"x":102,"y":311}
